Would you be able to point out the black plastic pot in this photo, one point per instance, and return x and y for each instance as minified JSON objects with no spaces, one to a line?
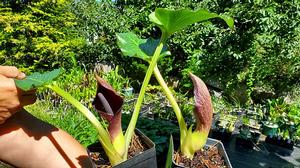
{"x":210,"y":142}
{"x":248,"y":136}
{"x":269,"y":129}
{"x":221,"y":134}
{"x":279,"y":141}
{"x":279,"y":145}
{"x":147,"y":159}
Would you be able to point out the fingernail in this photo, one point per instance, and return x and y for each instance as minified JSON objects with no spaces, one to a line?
{"x":21,"y":75}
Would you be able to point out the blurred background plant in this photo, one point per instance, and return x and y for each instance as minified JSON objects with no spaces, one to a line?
{"x":258,"y":61}
{"x":286,"y":116}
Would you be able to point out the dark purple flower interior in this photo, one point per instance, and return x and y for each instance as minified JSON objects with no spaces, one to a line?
{"x":113,"y":98}
{"x":107,"y":95}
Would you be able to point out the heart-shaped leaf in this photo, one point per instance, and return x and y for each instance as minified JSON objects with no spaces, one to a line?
{"x":37,"y":79}
{"x":129,"y":44}
{"x":170,"y":21}
{"x":150,"y":45}
{"x":133,"y":46}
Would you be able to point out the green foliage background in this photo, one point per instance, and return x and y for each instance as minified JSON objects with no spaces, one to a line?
{"x":260,"y":55}
{"x":38,"y":34}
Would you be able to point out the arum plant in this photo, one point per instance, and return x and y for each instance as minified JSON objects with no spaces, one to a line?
{"x":107,"y":102}
{"x":151,"y":50}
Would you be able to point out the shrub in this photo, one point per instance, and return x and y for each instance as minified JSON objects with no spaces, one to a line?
{"x":262,"y":54}
{"x":38,"y":34}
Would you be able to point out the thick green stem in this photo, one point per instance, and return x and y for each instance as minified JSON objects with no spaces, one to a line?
{"x":104,"y":137}
{"x":168,"y":93}
{"x":138,"y":105}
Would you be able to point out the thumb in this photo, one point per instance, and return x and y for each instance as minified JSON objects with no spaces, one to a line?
{"x":11,"y":72}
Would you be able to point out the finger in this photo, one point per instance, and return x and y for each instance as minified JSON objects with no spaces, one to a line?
{"x":21,"y":76}
{"x":5,"y":114}
{"x":3,"y":109}
{"x":15,"y":109}
{"x":11,"y":72}
{"x":27,"y":100}
{"x":8,"y":84}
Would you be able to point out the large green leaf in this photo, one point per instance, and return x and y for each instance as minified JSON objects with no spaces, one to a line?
{"x":129,"y":45}
{"x":150,"y":45}
{"x":133,"y":46}
{"x":37,"y":79}
{"x":170,"y":21}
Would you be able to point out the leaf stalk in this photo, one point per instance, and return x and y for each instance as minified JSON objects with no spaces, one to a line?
{"x":104,"y":137}
{"x":138,"y":105}
{"x":173,"y":102}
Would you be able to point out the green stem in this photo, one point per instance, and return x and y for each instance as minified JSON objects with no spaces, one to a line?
{"x":168,"y":93}
{"x":104,"y":137}
{"x":138,"y":105}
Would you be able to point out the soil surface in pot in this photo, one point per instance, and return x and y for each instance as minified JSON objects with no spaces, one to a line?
{"x":208,"y":157}
{"x":100,"y":159}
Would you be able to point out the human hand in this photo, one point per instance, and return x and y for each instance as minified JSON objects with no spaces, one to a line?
{"x":12,"y":99}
